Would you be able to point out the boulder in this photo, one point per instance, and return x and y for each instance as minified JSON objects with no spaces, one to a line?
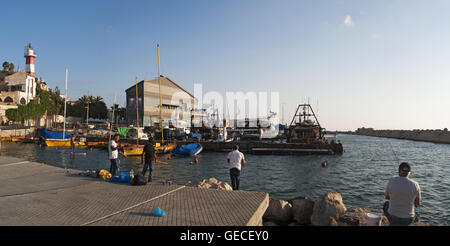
{"x":302,"y":210}
{"x":419,"y":223}
{"x":269,"y":223}
{"x":333,"y":222}
{"x":358,"y":217}
{"x":213,"y":183}
{"x":279,"y":211}
{"x":329,"y":206}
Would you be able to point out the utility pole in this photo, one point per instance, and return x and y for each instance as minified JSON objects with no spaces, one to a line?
{"x":65,"y":105}
{"x":87,"y":111}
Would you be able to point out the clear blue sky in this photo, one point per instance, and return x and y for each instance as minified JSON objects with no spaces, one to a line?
{"x":382,"y":64}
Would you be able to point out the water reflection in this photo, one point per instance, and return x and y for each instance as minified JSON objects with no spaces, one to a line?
{"x":360,"y":174}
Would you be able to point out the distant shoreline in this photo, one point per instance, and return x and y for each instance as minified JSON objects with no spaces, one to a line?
{"x":432,"y":136}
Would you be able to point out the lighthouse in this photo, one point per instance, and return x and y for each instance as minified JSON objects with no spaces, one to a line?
{"x":29,"y":64}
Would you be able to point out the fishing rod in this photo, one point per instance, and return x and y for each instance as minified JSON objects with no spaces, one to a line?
{"x":395,"y":154}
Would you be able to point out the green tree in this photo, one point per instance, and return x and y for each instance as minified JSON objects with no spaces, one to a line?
{"x":5,"y":66}
{"x":11,"y":67}
{"x":97,"y":108}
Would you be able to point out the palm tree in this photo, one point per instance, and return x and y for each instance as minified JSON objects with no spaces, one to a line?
{"x":5,"y":66}
{"x":98,"y":99}
{"x":84,"y":100}
{"x":11,"y":67}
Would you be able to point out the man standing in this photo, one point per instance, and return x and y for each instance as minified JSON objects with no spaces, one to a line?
{"x":404,"y":195}
{"x":235,"y":160}
{"x":147,"y":154}
{"x":113,"y":149}
{"x":72,"y":145}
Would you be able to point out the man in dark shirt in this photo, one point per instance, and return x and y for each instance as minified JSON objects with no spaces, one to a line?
{"x":147,"y":154}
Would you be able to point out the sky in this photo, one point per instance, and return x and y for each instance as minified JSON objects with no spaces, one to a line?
{"x":381,"y":64}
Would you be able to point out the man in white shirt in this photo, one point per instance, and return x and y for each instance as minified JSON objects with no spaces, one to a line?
{"x":404,"y":195}
{"x":235,"y":160}
{"x":113,"y":149}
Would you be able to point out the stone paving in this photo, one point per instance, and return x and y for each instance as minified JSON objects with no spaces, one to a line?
{"x":38,"y":194}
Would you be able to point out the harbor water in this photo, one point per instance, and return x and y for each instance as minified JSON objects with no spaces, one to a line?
{"x":360,"y":174}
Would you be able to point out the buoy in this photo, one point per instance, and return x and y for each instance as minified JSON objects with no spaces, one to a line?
{"x":190,"y":162}
{"x":324,"y":164}
{"x":196,"y":160}
{"x":169,"y":157}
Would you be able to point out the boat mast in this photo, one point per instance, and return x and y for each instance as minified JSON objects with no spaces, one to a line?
{"x":65,"y":106}
{"x":137,"y":113}
{"x":160,"y":101}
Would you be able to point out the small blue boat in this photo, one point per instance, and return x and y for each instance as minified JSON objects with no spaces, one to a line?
{"x":188,"y":149}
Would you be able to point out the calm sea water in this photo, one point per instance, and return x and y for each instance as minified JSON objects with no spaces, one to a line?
{"x":360,"y":174}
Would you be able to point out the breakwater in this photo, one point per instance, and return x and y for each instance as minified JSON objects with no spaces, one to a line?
{"x":433,"y":136}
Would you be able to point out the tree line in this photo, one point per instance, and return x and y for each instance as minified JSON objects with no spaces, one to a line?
{"x":8,"y":67}
{"x":52,"y":103}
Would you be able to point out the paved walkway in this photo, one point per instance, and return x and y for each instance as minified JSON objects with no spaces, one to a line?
{"x":38,"y":194}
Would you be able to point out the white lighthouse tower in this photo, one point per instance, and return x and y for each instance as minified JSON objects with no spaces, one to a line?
{"x":29,"y":64}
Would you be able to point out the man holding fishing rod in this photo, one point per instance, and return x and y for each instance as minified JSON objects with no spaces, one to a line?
{"x":404,"y":195}
{"x":113,"y":149}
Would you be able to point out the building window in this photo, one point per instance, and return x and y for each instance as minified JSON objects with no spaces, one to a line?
{"x":22,"y":101}
{"x":8,"y":100}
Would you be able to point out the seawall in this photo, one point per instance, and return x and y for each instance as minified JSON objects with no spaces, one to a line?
{"x":434,"y":136}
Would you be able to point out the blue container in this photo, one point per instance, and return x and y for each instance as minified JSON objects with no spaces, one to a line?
{"x":159,"y":212}
{"x":124,"y":177}
{"x":114,"y":179}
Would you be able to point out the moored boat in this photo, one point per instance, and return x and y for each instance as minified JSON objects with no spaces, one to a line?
{"x":136,"y":150}
{"x":188,"y":149}
{"x":62,"y":143}
{"x":57,"y":139}
{"x":24,"y":139}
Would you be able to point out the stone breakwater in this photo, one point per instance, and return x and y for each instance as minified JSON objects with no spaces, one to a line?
{"x":434,"y":136}
{"x":328,"y":210}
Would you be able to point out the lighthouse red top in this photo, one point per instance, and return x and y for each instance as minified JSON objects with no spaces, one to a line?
{"x":29,"y":57}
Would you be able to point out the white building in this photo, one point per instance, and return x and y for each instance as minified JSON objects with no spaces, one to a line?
{"x":176,"y":102}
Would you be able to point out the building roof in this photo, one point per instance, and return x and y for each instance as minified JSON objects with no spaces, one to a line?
{"x":162,"y":79}
{"x":16,"y":78}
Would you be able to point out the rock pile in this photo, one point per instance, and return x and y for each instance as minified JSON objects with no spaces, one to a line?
{"x":279,"y":212}
{"x":328,"y":210}
{"x":213,"y":183}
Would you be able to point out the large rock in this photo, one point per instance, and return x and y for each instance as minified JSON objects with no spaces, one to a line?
{"x":213,"y":183}
{"x":270,"y":223}
{"x":327,"y":207}
{"x":358,"y":217}
{"x":279,"y":211}
{"x":302,"y":210}
{"x":419,"y":223}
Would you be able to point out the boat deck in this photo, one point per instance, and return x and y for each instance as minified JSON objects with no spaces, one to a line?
{"x":38,"y":194}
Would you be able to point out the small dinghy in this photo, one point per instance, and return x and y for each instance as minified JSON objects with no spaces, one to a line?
{"x":188,"y":149}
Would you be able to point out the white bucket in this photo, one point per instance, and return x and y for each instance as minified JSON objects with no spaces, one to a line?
{"x":373,"y":219}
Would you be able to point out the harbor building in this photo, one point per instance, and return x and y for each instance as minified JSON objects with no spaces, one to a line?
{"x":177,"y":103}
{"x":20,"y":86}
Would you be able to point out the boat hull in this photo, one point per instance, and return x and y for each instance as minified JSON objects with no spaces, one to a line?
{"x":188,"y":149}
{"x":62,"y":143}
{"x":138,"y":150}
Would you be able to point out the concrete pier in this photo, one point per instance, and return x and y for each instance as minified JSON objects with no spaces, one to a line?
{"x":38,"y":194}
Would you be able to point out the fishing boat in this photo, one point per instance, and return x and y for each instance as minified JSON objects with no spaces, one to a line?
{"x":6,"y":139}
{"x":136,"y":150}
{"x":53,"y":139}
{"x":97,"y":144}
{"x":61,"y":139}
{"x":188,"y":149}
{"x":62,"y":143}
{"x":23,"y":139}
